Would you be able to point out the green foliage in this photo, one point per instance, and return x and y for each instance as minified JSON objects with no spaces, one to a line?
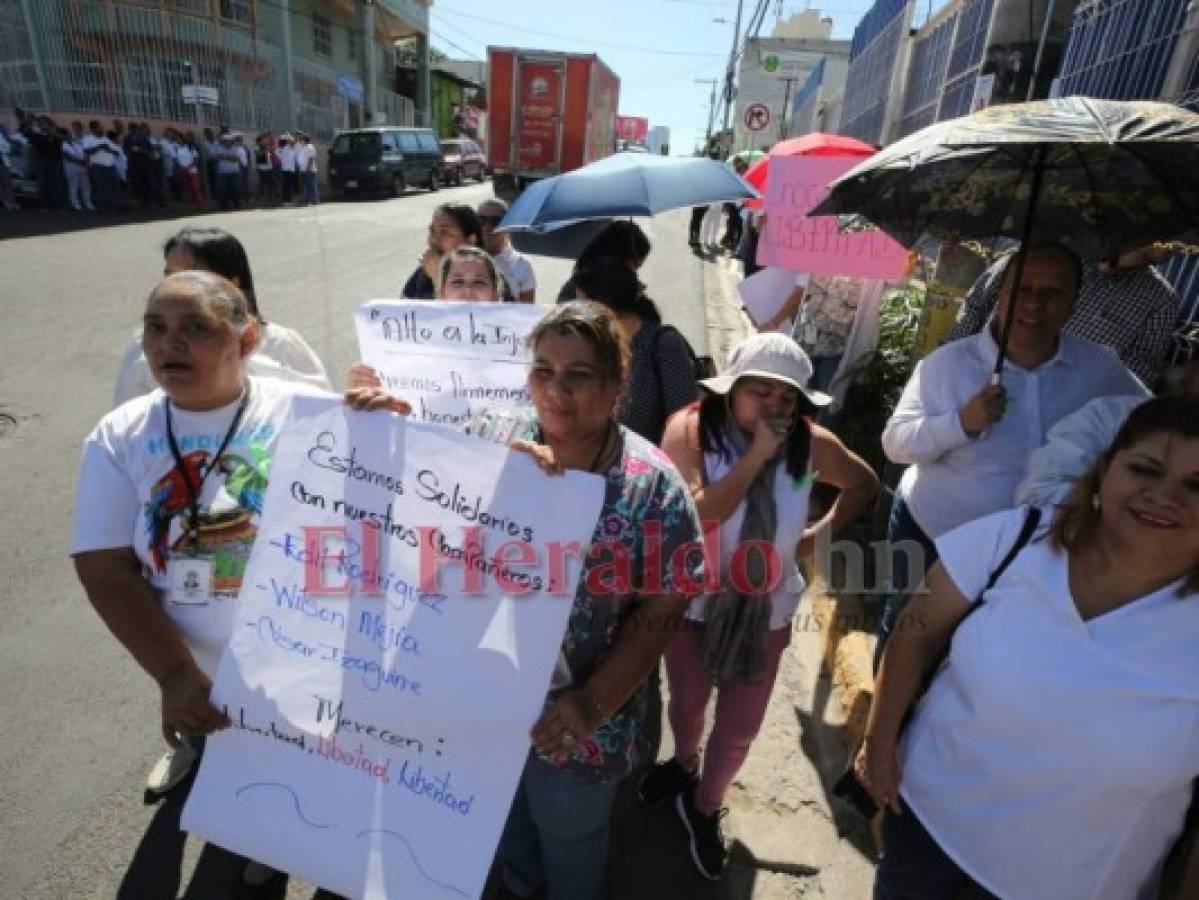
{"x":876,"y":390}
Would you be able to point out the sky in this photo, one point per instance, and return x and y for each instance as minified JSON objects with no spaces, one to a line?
{"x":657,"y":47}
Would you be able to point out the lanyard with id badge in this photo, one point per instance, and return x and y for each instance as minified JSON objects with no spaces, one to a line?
{"x":189,"y":570}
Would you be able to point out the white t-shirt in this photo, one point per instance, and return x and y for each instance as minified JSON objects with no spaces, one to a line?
{"x":791,"y":506}
{"x":185,"y":156}
{"x":130,"y":495}
{"x":517,"y":271}
{"x":105,"y":157}
{"x":73,"y":156}
{"x":287,"y":158}
{"x":282,"y":354}
{"x":305,"y":158}
{"x":1052,"y":756}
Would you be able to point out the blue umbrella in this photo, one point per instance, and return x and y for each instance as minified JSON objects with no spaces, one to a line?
{"x":625,"y":184}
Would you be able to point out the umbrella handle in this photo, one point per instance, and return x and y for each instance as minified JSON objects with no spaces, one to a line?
{"x":1038,"y":174}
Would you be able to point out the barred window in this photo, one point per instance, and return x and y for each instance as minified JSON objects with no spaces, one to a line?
{"x":322,"y":35}
{"x":236,"y":11}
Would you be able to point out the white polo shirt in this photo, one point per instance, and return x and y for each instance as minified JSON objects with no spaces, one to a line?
{"x":1053,"y":756}
{"x":517,"y":270}
{"x":953,"y":478}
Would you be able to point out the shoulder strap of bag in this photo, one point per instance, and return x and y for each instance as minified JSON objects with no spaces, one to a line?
{"x":1032,"y":518}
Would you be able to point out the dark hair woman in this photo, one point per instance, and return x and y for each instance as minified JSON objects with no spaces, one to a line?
{"x":1054,"y":753}
{"x":145,"y":517}
{"x":749,"y":453}
{"x":453,"y":225}
{"x":592,"y":732}
{"x":662,"y":368}
{"x":280,"y":353}
{"x":621,"y":239}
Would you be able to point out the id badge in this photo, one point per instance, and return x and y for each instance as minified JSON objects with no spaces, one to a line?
{"x":191,"y":580}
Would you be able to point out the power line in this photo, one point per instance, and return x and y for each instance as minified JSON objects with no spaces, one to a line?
{"x":577,"y":40}
{"x":459,"y":48}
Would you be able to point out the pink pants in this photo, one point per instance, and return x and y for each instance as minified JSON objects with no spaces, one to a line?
{"x":740,"y":709}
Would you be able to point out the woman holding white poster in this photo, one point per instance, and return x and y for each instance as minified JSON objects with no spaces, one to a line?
{"x":644,"y":566}
{"x":171,"y":489}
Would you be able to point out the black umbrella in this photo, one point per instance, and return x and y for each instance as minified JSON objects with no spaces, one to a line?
{"x":1101,"y":176}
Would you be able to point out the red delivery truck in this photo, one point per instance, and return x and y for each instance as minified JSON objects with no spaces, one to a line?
{"x":548,"y":113}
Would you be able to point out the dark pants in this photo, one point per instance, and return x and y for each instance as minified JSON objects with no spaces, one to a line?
{"x":913,"y":867}
{"x":229,"y":189}
{"x":912,"y":555}
{"x":289,"y":186}
{"x":697,"y":218}
{"x":106,"y":186}
{"x":268,"y":185}
{"x":733,"y":224}
{"x":748,"y":251}
{"x":51,"y":183}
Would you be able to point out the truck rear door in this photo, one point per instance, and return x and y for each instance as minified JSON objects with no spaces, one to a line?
{"x":540,"y":87}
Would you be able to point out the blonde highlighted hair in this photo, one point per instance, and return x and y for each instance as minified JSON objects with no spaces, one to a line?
{"x":1078,"y":519}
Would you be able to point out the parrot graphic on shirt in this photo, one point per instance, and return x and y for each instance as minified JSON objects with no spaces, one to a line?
{"x":170,"y":498}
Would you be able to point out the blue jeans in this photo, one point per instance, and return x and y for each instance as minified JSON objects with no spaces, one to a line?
{"x":912,"y":555}
{"x":914,"y":867}
{"x":556,"y":835}
{"x":310,"y":192}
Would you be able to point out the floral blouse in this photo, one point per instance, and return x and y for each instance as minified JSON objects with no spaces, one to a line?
{"x":642,"y":486}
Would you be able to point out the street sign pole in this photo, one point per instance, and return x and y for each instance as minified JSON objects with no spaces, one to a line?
{"x":786,"y":106}
{"x":731,"y":72}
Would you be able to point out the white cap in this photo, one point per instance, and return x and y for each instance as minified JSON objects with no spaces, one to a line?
{"x":769,"y":355}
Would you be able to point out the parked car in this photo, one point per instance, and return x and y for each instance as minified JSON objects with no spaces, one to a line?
{"x":463,"y":159}
{"x":385,"y":158}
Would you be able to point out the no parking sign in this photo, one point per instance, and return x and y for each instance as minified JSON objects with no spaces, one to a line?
{"x":757,"y":116}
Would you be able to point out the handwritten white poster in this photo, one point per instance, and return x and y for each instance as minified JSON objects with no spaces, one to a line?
{"x":447,"y":358}
{"x":380,"y":721}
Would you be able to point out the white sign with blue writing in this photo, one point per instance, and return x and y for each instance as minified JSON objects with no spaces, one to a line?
{"x":380,"y":721}
{"x":448,"y":358}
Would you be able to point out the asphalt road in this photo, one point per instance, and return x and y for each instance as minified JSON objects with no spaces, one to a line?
{"x":79,"y":717}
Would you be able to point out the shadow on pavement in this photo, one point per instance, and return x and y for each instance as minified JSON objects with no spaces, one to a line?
{"x":41,"y":222}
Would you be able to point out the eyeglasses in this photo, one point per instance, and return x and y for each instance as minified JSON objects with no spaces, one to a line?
{"x":491,"y":221}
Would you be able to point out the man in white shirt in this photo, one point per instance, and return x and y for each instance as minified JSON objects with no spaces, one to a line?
{"x":287,"y":165}
{"x":102,"y":166}
{"x":74,"y":167}
{"x":306,"y":167}
{"x":516,"y":269}
{"x":228,"y":173}
{"x":967,"y":441}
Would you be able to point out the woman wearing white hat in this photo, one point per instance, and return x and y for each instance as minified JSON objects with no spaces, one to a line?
{"x":749,"y":453}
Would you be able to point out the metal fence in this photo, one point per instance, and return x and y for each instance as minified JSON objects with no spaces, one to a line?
{"x":132,"y":59}
{"x":1122,"y":50}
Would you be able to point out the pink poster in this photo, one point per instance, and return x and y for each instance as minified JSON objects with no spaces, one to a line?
{"x":792,"y":240}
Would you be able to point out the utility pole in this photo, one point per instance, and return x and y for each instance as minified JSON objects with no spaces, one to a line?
{"x":711,"y":109}
{"x":730,"y":74}
{"x":369,"y":90}
{"x":786,"y":106}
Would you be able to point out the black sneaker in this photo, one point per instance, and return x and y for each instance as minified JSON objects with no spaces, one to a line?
{"x":707,"y":846}
{"x":664,"y":781}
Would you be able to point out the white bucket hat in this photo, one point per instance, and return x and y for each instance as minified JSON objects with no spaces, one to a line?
{"x":769,"y":355}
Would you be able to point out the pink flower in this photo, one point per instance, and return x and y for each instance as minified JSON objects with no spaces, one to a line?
{"x":590,"y":752}
{"x":636,"y":466}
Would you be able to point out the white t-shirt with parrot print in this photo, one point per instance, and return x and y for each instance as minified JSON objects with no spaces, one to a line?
{"x":130,"y":494}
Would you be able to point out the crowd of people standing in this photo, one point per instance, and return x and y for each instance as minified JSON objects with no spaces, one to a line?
{"x":126,"y":165}
{"x":1058,"y":628}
